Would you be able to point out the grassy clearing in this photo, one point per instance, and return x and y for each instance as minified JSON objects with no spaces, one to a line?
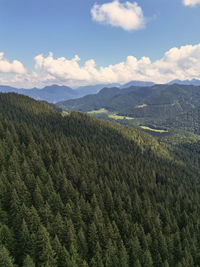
{"x":65,"y":113}
{"x":99,"y":111}
{"x":141,"y":106}
{"x":117,"y":117}
{"x":109,"y":114}
{"x":153,"y":130}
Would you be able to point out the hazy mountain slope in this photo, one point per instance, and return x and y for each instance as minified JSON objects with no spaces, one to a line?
{"x":136,"y":83}
{"x":156,"y":101}
{"x":93,"y":89}
{"x":90,"y":102}
{"x":55,"y":93}
{"x":77,"y":191}
{"x":110,"y":98}
{"x":170,"y":101}
{"x":186,"y":82}
{"x":188,"y":121}
{"x":52,"y":93}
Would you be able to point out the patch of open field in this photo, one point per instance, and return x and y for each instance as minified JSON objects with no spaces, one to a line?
{"x":153,"y":130}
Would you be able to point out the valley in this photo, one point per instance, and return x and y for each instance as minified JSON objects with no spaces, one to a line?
{"x":157,"y":109}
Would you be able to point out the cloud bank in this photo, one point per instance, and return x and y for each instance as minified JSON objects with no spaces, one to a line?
{"x":10,"y":67}
{"x":128,"y":16}
{"x":177,"y":63}
{"x":191,"y":2}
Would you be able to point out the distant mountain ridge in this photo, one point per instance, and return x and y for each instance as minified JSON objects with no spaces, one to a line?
{"x":51,"y":93}
{"x":158,"y":101}
{"x":57,"y":93}
{"x":186,"y":82}
{"x":136,"y":83}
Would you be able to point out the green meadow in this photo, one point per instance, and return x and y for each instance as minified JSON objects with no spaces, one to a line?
{"x":110,"y":114}
{"x":153,"y":130}
{"x":117,"y":117}
{"x":99,"y":111}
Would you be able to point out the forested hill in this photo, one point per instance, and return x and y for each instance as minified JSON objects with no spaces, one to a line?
{"x":158,"y":101}
{"x":77,"y":192}
{"x":187,"y":121}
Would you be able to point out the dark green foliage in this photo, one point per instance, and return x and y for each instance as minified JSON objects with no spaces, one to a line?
{"x":28,"y":262}
{"x":5,"y":259}
{"x":77,"y":191}
{"x":160,"y":100}
{"x":188,"y":121}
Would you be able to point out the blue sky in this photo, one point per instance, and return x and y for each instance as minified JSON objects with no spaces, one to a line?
{"x":67,"y":28}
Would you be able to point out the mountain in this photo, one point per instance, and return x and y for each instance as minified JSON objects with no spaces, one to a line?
{"x":78,"y":191}
{"x":110,"y":98}
{"x":136,"y":83}
{"x":56,"y":93}
{"x":186,"y":82}
{"x":93,"y":89}
{"x":53,"y":93}
{"x":158,"y":101}
{"x":186,"y":121}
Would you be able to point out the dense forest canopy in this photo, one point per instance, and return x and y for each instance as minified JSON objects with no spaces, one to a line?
{"x":157,"y":101}
{"x":78,"y":191}
{"x":165,"y":106}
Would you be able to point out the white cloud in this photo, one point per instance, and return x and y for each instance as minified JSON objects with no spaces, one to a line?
{"x":129,"y":15}
{"x":177,"y":63}
{"x":191,"y":2}
{"x":10,"y":67}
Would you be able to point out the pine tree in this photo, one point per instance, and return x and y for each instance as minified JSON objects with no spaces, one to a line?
{"x":82,"y":244}
{"x":137,"y":264}
{"x":147,"y":259}
{"x":58,"y":227}
{"x":166,"y":264}
{"x":28,"y":262}
{"x":45,"y":256}
{"x":92,"y":238}
{"x":65,"y":260}
{"x":6,"y":238}
{"x":5,"y":259}
{"x":63,"y":256}
{"x":123,"y":256}
{"x":96,"y":260}
{"x":84,"y":264}
{"x":111,"y":255}
{"x":25,"y":245}
{"x":135,"y":250}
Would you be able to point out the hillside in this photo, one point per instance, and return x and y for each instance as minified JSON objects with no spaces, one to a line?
{"x":56,"y":93}
{"x":187,"y":121}
{"x":110,"y":98}
{"x":158,"y":101}
{"x":78,"y":191}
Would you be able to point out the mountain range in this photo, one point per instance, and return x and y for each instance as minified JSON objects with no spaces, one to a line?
{"x":55,"y":93}
{"x":186,"y":82}
{"x":156,"y":109}
{"x":156,"y":101}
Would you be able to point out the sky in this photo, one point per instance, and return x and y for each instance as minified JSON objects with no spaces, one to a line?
{"x":85,"y":42}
